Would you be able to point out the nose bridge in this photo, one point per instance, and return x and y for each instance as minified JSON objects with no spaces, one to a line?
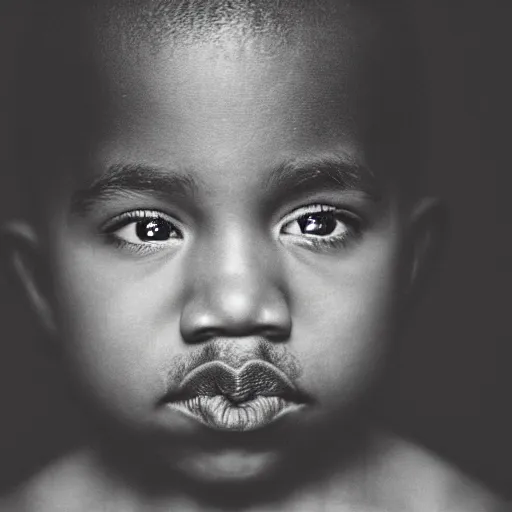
{"x":238,"y":277}
{"x":236,"y":288}
{"x":240,"y":255}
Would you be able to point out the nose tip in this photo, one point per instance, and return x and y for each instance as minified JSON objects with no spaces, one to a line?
{"x":233,"y":308}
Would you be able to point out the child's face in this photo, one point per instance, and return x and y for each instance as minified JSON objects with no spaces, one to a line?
{"x":228,"y":217}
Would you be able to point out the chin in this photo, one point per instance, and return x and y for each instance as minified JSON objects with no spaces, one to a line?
{"x":229,"y":466}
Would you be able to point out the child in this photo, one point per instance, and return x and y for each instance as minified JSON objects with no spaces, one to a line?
{"x":227,"y":229}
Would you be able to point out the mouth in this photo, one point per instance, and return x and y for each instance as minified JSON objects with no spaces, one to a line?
{"x":221,"y":414}
{"x":229,"y":399}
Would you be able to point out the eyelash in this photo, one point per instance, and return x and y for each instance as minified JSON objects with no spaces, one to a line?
{"x":317,"y":242}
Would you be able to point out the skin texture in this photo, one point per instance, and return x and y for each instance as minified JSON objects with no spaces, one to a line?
{"x":226,"y":116}
{"x":230,"y":147}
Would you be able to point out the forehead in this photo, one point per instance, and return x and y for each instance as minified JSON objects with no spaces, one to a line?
{"x":228,"y":89}
{"x":231,"y":86}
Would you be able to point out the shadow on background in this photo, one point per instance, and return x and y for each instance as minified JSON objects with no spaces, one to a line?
{"x":451,"y":390}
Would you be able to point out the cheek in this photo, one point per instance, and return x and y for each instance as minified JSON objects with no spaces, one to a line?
{"x":120,"y":320}
{"x":345,"y":314}
{"x":119,"y":324}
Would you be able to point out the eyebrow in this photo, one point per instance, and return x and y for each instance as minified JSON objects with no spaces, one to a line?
{"x":122,"y":179}
{"x":338,"y":171}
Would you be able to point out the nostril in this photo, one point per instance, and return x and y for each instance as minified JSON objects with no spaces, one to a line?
{"x":233,"y":309}
{"x":200,"y":335}
{"x":275,"y":333}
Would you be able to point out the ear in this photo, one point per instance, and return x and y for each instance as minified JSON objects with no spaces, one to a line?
{"x":22,"y":249}
{"x":427,"y":233}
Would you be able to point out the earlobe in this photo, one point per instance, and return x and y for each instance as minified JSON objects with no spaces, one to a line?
{"x":427,"y":235}
{"x":23,"y":253}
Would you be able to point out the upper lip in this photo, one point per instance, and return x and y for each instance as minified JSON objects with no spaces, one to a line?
{"x":254,"y":378}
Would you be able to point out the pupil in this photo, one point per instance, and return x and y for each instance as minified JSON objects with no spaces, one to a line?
{"x":153,"y":230}
{"x":319,"y":225}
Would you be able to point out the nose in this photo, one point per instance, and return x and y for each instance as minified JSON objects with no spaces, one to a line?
{"x":236,"y":290}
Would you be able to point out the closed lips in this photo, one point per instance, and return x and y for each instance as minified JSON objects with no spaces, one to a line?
{"x":219,"y":413}
{"x":254,"y":378}
{"x":226,"y":398}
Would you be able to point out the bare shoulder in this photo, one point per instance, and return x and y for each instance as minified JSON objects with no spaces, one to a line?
{"x":427,"y":483}
{"x":10,"y":502}
{"x":64,"y":484}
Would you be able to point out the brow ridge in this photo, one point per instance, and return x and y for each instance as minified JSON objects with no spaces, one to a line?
{"x":341,"y":171}
{"x":121,"y":179}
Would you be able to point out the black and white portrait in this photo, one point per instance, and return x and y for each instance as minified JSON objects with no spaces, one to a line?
{"x":252,"y":256}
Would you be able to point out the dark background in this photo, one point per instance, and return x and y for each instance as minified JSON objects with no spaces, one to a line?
{"x":452,"y":386}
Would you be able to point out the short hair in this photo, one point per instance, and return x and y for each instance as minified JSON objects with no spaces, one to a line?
{"x":56,"y":75}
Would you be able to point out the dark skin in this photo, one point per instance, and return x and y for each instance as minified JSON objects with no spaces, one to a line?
{"x":229,"y":214}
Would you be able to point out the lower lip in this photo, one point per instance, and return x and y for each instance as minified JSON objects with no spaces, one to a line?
{"x":219,"y":413}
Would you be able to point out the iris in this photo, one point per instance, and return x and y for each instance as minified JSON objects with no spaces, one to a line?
{"x":319,"y":225}
{"x":153,"y":230}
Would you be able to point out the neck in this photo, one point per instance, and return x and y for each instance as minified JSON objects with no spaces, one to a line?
{"x":382,"y":472}
{"x":94,"y":477}
{"x":319,"y":460}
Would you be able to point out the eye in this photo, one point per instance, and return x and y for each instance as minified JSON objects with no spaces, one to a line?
{"x":143,"y":228}
{"x":148,"y":230}
{"x":315,"y":224}
{"x":321,"y":225}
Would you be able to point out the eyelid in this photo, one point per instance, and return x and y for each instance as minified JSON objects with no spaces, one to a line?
{"x":125,"y":218}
